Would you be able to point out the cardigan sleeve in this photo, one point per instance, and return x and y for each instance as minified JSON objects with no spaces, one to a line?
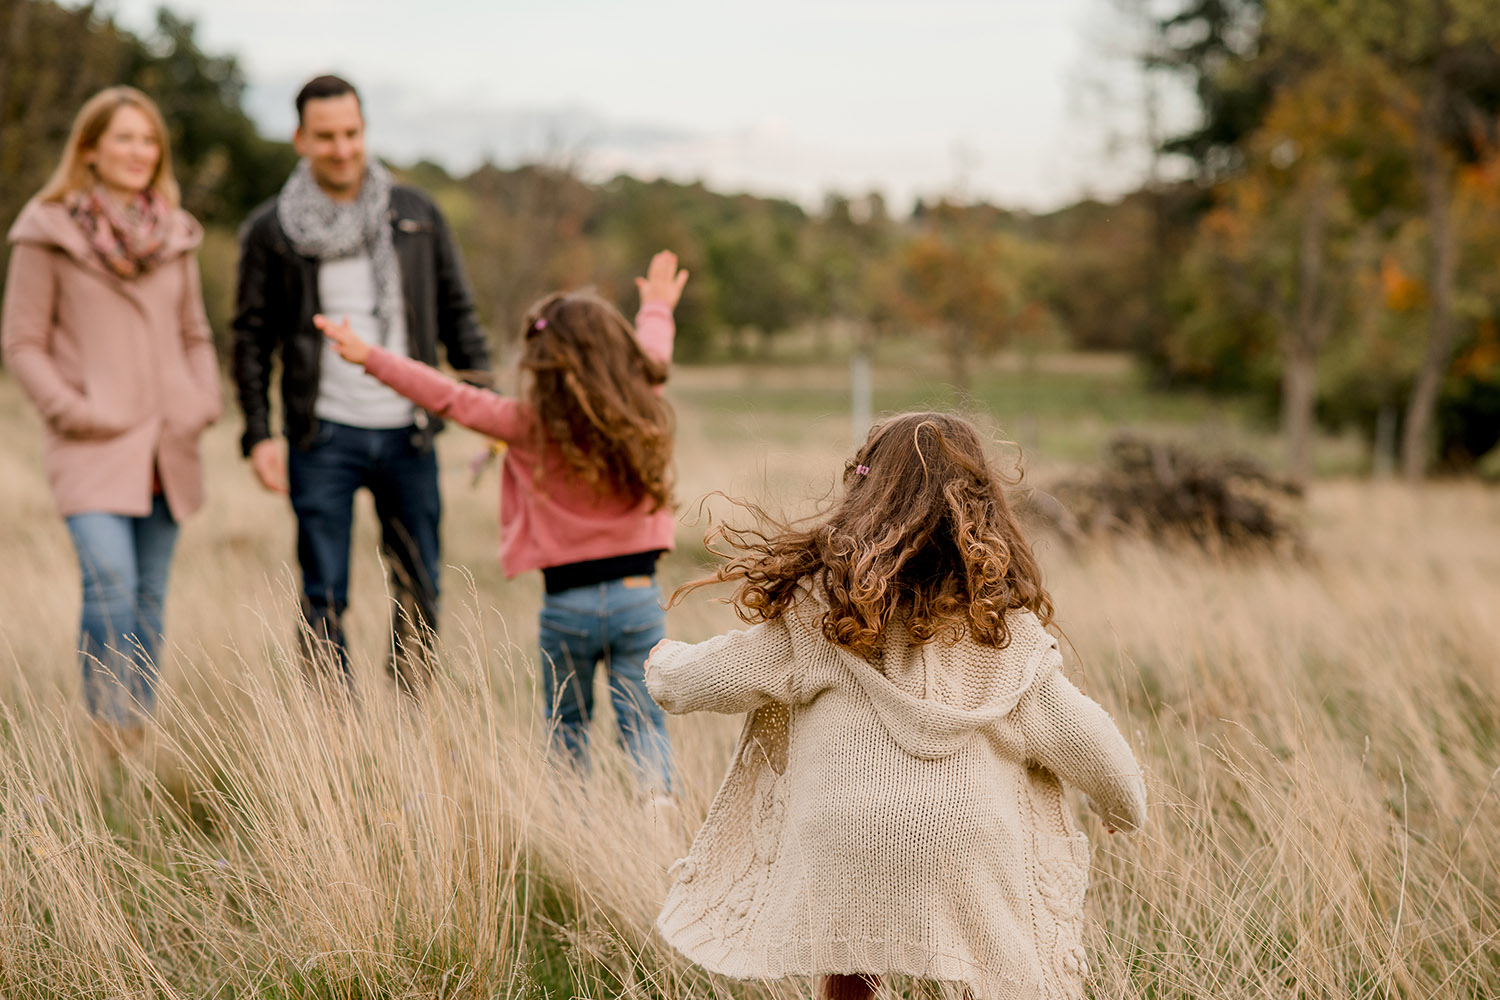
{"x":736,"y":672}
{"x":1072,"y":736}
{"x":478,"y":409}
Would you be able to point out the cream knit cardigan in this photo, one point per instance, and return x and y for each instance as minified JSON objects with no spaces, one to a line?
{"x":901,"y":817}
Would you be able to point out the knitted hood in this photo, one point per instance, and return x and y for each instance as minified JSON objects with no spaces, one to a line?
{"x":934,"y":697}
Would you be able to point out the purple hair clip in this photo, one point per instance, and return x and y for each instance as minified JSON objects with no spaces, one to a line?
{"x":863,"y":470}
{"x":541,"y":323}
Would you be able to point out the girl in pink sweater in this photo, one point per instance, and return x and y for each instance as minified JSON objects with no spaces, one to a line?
{"x":586,"y":492}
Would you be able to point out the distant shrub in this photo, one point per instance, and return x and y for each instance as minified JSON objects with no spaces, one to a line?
{"x":1165,"y":491}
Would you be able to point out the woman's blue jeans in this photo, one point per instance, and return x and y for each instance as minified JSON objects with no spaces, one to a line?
{"x":615,"y":623}
{"x":124,"y":561}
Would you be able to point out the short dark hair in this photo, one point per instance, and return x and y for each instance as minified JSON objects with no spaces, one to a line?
{"x":320,"y":87}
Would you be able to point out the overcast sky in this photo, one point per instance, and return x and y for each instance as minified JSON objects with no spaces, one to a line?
{"x":1017,"y":101}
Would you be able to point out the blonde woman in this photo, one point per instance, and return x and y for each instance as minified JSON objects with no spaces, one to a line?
{"x":103,"y":326}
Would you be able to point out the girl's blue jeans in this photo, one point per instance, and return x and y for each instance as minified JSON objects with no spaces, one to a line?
{"x":614,"y":623}
{"x":124,"y":562}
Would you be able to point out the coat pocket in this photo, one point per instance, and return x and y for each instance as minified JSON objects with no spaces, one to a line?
{"x":82,"y":421}
{"x":1062,"y":875}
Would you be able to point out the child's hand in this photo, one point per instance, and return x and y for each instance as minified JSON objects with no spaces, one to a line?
{"x":663,"y":281}
{"x":659,"y":644}
{"x":345,"y":340}
{"x":484,"y":460}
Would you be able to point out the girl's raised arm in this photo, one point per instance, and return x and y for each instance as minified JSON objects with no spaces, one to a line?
{"x":736,"y":672}
{"x":478,"y":409}
{"x":660,"y":290}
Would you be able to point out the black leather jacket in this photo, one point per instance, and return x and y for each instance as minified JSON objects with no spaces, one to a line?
{"x":278,"y":297}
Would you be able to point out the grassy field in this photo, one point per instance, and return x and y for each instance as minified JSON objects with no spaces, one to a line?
{"x":1320,"y":737}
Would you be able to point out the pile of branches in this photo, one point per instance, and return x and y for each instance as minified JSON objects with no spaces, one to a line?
{"x":1164,"y":491}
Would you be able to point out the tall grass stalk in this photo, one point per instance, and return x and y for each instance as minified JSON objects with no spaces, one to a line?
{"x":1322,"y":739}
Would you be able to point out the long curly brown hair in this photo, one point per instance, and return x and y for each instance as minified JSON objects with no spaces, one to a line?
{"x":594,"y":392}
{"x":923,"y":527}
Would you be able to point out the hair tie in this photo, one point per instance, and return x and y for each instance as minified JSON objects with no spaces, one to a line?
{"x":863,"y":470}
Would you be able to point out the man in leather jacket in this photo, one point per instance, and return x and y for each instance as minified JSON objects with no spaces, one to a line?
{"x":342,"y":239}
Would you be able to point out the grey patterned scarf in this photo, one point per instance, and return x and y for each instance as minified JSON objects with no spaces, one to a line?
{"x":325,"y":229}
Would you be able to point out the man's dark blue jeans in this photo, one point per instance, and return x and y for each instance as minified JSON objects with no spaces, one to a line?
{"x":323,"y":479}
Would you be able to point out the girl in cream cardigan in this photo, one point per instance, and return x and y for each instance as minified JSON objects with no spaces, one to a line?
{"x":894,"y":806}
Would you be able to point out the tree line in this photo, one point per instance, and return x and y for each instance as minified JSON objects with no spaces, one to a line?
{"x":1336,"y":246}
{"x":1332,"y":250}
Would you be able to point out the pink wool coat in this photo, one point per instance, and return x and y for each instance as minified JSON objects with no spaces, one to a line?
{"x":122,"y":372}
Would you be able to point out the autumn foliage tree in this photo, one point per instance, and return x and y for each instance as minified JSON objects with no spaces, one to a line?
{"x":53,"y":58}
{"x":968,"y":282}
{"x":1335,"y":136}
{"x":1324,"y":181}
{"x":1444,"y":56}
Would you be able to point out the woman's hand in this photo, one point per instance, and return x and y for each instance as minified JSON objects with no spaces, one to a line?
{"x":663,"y":281}
{"x":345,"y":340}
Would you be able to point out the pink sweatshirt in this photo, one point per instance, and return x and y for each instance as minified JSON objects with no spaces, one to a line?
{"x":558,"y":520}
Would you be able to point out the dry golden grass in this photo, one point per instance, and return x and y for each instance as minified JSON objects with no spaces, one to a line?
{"x":1321,"y":740}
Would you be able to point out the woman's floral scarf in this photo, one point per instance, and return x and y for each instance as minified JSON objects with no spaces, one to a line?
{"x":129,"y":239}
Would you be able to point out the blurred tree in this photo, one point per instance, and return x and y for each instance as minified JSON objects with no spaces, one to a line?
{"x":1099,"y":288}
{"x":965,"y":279}
{"x":1217,"y":45}
{"x":1222,"y":336}
{"x":756,"y":257}
{"x":1323,"y":178}
{"x":634,"y":219}
{"x":1445,"y":55}
{"x":846,"y":242}
{"x":1468,"y":409}
{"x":534,"y":229}
{"x":522,"y":234}
{"x":1430,"y":71}
{"x":224,"y":166}
{"x":1130,"y":294}
{"x":749,"y":256}
{"x":53,"y":58}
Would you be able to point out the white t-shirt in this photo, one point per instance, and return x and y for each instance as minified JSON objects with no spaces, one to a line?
{"x":346,"y":395}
